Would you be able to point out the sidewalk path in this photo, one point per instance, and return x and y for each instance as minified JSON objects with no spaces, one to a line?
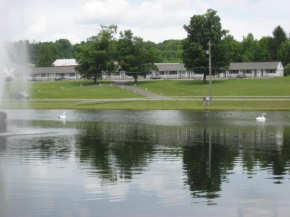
{"x":137,"y":90}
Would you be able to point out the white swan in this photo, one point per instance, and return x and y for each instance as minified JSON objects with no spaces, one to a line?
{"x":62,"y":116}
{"x":261,"y":118}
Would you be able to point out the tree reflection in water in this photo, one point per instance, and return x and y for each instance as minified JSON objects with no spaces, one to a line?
{"x":116,"y":151}
{"x":206,"y":164}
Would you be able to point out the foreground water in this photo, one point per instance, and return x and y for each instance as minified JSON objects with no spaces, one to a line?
{"x":145,"y":163}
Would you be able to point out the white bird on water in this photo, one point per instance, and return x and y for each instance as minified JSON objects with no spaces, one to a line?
{"x":62,"y":116}
{"x":261,"y":118}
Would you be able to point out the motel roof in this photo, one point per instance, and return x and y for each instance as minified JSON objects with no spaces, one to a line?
{"x":65,"y":62}
{"x":170,"y":67}
{"x":39,"y":70}
{"x":254,"y":65}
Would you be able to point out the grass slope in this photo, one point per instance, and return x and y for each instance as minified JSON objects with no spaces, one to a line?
{"x":234,"y":87}
{"x":71,"y":90}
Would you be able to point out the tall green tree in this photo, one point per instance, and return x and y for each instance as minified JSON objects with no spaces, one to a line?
{"x":135,"y":57}
{"x":201,"y":30}
{"x":287,"y":70}
{"x":95,"y":56}
{"x":64,"y":49}
{"x":234,"y":49}
{"x":263,"y":50}
{"x":170,"y":51}
{"x":279,"y":36}
{"x":283,"y":52}
{"x":249,"y":47}
{"x":44,"y":56}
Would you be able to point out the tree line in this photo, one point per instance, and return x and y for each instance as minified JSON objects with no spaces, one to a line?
{"x":101,"y":52}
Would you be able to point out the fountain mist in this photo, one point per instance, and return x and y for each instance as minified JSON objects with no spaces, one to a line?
{"x":13,"y":57}
{"x":2,"y":48}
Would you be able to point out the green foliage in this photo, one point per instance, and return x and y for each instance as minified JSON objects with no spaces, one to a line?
{"x":170,"y":51}
{"x":64,"y":49}
{"x":279,"y":36}
{"x":284,"y":52}
{"x":249,"y":48}
{"x":234,"y":49}
{"x":201,"y":30}
{"x":135,"y":56}
{"x":287,"y":70}
{"x":263,"y":49}
{"x":44,"y":56}
{"x":96,"y":56}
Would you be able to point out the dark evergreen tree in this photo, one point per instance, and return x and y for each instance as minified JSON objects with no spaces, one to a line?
{"x":279,"y":36}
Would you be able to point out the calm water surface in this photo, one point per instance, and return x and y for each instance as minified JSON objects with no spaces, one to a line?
{"x":145,"y":163}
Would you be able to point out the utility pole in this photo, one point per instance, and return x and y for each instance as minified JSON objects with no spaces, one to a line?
{"x":209,"y":60}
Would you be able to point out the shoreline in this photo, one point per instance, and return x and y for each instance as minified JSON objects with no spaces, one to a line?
{"x":145,"y":104}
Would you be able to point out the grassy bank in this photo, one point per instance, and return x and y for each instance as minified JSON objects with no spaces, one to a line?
{"x":222,"y":87}
{"x":66,"y":94}
{"x":68,"y":90}
{"x":150,"y":105}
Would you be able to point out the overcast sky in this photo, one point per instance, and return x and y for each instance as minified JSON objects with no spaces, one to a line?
{"x":154,"y":20}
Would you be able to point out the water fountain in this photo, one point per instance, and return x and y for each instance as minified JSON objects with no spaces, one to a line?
{"x":20,"y":58}
{"x":3,"y":115}
{"x":3,"y":122}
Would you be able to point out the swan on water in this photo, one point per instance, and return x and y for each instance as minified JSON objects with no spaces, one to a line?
{"x":62,"y":116}
{"x":261,"y":118}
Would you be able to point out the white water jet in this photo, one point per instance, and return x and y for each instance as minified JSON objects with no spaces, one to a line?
{"x":11,"y":58}
{"x":3,"y":55}
{"x":13,"y":55}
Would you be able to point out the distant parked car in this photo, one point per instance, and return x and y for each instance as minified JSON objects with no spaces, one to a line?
{"x":155,"y":77}
{"x":241,"y":76}
{"x":19,"y":95}
{"x":59,"y":79}
{"x":9,"y":78}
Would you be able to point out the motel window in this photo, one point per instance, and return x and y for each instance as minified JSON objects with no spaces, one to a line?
{"x":59,"y":74}
{"x":234,"y":71}
{"x":43,"y":75}
{"x":72,"y":74}
{"x":271,"y":71}
{"x":172,"y":73}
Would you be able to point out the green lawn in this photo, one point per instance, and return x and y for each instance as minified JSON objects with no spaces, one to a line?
{"x":73,"y":90}
{"x":223,"y":87}
{"x":68,"y":90}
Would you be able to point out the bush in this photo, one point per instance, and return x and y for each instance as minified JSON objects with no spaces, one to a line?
{"x":287,"y":70}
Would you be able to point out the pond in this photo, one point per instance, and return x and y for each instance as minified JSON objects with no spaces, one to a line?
{"x":144,"y":163}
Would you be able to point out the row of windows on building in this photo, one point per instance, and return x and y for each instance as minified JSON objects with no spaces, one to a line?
{"x":272,"y":71}
{"x":255,"y":71}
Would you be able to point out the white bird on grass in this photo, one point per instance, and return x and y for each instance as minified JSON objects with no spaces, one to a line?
{"x":261,"y":118}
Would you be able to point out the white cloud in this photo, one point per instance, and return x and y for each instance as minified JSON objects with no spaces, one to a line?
{"x":34,"y":30}
{"x":155,"y":20}
{"x":97,"y":11}
{"x":148,"y":14}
